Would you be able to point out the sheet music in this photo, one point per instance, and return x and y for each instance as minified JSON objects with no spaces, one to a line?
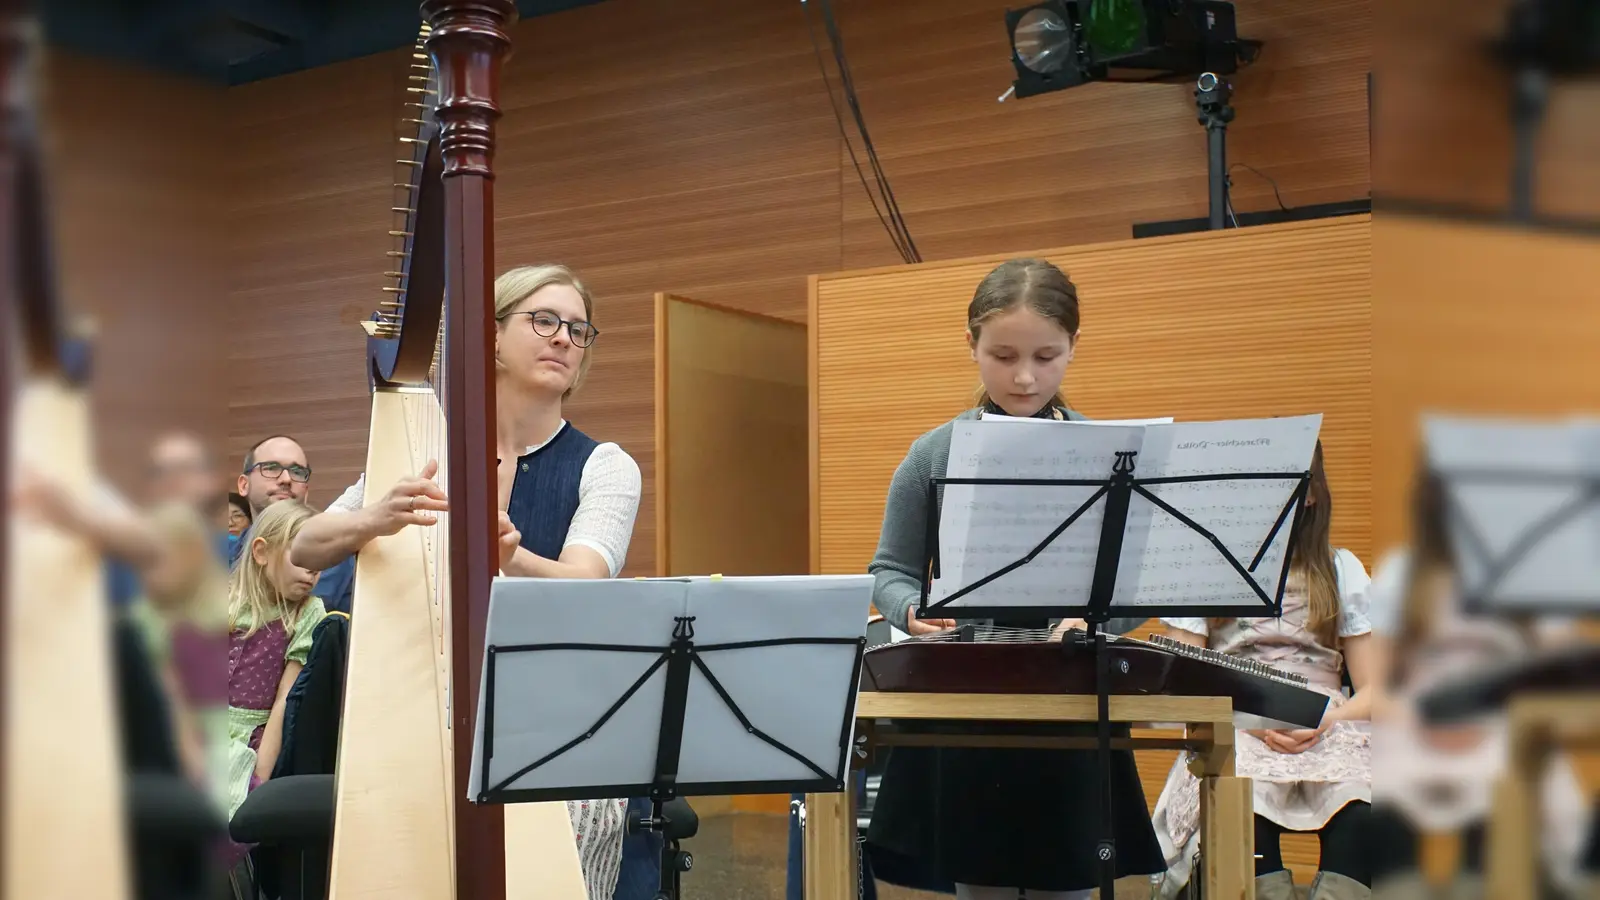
{"x":984,"y":528}
{"x":1511,"y":481}
{"x":1163,"y":559}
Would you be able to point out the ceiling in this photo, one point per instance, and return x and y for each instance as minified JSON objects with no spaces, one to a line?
{"x":238,"y":41}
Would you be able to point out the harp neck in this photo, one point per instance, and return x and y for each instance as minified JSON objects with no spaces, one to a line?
{"x":467,"y":43}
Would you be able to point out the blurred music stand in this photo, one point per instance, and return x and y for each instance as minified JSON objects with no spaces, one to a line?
{"x":1117,"y":492}
{"x":669,"y":688}
{"x":1521,"y":502}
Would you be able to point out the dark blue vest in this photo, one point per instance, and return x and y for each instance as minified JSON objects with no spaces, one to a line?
{"x":544,"y":496}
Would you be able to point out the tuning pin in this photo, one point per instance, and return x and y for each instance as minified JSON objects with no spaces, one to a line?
{"x":401,"y":254}
{"x":408,"y":162}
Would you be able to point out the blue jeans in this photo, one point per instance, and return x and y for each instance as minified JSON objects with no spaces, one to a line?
{"x":641,"y":858}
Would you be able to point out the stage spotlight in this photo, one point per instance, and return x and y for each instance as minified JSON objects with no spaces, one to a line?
{"x":1065,"y":43}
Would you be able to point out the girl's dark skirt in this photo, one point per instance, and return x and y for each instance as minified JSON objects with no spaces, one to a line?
{"x":1013,"y":818}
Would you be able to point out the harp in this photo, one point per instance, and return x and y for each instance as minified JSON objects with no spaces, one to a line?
{"x":56,"y":628}
{"x":402,"y":826}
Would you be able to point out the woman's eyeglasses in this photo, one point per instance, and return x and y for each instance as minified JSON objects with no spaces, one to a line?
{"x":297,"y":473}
{"x":547,"y":323}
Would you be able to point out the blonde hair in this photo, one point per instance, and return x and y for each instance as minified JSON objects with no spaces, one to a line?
{"x":516,"y":285}
{"x":251,"y":592}
{"x":199,"y":598}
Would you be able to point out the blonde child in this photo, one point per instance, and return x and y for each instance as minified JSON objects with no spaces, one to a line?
{"x":271,"y":617}
{"x":182,"y":616}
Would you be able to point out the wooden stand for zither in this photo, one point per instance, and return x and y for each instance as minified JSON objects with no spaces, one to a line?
{"x":1539,"y":725}
{"x":65,"y":825}
{"x":1227,"y":831}
{"x":401,"y":828}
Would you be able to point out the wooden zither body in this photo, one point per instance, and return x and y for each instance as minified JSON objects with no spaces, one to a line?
{"x":978,"y":660}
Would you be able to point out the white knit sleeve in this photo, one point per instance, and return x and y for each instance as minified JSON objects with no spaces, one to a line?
{"x":608,"y":501}
{"x":353,"y":498}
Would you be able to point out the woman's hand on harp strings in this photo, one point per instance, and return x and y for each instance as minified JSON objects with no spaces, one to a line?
{"x":412,"y":501}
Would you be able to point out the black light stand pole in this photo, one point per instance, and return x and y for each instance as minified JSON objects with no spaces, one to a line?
{"x":1529,"y":97}
{"x":1211,"y":96}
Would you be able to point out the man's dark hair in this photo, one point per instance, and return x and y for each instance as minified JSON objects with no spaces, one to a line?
{"x":250,"y":455}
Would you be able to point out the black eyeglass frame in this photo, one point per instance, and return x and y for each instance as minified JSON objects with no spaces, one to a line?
{"x":569,"y":323}
{"x":292,"y":468}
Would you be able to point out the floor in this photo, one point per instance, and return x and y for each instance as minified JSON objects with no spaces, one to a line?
{"x":745,"y":857}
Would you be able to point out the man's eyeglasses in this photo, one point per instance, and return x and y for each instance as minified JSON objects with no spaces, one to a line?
{"x":547,"y":323}
{"x":297,"y":473}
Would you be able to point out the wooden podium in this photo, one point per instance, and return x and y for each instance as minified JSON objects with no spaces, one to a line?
{"x":1226,"y":809}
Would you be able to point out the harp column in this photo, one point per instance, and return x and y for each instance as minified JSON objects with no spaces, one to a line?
{"x":467,"y":45}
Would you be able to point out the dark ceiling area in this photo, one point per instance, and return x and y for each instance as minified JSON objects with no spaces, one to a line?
{"x":238,"y":41}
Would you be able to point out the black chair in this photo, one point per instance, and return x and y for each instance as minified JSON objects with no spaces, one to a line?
{"x":290,"y":817}
{"x":173,"y":826}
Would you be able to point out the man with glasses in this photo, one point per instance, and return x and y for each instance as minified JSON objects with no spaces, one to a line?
{"x":276,"y":469}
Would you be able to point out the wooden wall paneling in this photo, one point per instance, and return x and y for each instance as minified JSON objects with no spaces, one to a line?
{"x":1442,"y":119}
{"x":310,"y":177}
{"x":1476,"y":320}
{"x":133,"y":173}
{"x":732,"y":451}
{"x":974,"y":176}
{"x":1256,"y":322}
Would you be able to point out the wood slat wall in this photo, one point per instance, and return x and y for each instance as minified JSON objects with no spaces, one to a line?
{"x":694,"y":151}
{"x":1256,"y":322}
{"x":133,"y":170}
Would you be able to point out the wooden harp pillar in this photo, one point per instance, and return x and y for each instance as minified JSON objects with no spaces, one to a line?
{"x":467,"y":45}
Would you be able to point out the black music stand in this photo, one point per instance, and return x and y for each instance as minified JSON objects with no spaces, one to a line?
{"x":668,"y":688}
{"x":1536,"y":487}
{"x":1117,"y":492}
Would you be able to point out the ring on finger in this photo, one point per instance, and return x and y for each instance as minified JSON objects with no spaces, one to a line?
{"x":413,"y":504}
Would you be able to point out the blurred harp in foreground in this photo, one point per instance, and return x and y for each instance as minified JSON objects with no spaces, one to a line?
{"x":402,"y":826}
{"x":65,"y":825}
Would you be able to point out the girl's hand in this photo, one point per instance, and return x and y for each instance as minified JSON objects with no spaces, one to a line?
{"x":916,"y":626}
{"x":509,"y":540}
{"x":1296,"y":741}
{"x":410,"y":502}
{"x":1066,"y":626}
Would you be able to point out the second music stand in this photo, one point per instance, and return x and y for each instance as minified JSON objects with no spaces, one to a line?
{"x":667,"y":688}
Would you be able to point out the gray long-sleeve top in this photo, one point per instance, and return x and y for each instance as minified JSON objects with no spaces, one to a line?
{"x":897,"y":567}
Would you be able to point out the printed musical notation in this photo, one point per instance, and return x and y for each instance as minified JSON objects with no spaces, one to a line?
{"x":988,"y":528}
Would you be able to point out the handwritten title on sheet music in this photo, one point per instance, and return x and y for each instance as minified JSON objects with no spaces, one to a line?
{"x":1224,"y":445}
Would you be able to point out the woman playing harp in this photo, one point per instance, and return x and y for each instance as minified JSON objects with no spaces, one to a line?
{"x":568,"y":501}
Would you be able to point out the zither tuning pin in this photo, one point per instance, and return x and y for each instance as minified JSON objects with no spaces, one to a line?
{"x":395,"y":274}
{"x":394,"y":290}
{"x":412,"y":140}
{"x":401,"y":209}
{"x":400,"y":234}
{"x":396,"y":254}
{"x":407,"y":162}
